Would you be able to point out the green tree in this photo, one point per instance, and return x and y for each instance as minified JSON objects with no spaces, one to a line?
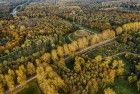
{"x":138,"y":85}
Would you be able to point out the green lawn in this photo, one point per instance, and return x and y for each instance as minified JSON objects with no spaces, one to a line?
{"x":122,"y":87}
{"x":31,"y":88}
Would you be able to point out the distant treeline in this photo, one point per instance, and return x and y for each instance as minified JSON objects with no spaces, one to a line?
{"x":5,"y":15}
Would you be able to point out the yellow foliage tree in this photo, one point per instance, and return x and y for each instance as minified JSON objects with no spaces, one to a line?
{"x":21,"y":75}
{"x":30,"y":68}
{"x":60,"y":51}
{"x":109,"y":91}
{"x":1,"y":89}
{"x":10,"y":82}
{"x":54,"y":55}
{"x":119,"y":30}
{"x":66,"y":49}
{"x":46,"y":57}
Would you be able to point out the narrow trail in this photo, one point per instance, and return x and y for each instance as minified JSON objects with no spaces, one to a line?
{"x":87,"y":49}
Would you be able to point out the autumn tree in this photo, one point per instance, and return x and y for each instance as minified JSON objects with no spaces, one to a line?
{"x":132,"y":79}
{"x":138,"y":85}
{"x":138,"y":66}
{"x":1,"y":89}
{"x":60,"y":51}
{"x":2,"y":79}
{"x":30,"y":68}
{"x":46,"y":57}
{"x":21,"y":75}
{"x":48,"y":80}
{"x":54,"y":55}
{"x":10,"y":82}
{"x":66,"y":49}
{"x":119,"y":30}
{"x":80,"y":43}
{"x":40,"y":74}
{"x":93,"y":86}
{"x":109,"y":91}
{"x":94,"y":39}
{"x":77,"y":63}
{"x":11,"y":73}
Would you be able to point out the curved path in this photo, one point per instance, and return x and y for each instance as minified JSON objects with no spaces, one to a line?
{"x":15,"y":10}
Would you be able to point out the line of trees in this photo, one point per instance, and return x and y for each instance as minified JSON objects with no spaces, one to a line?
{"x":16,"y":39}
{"x":97,"y":19}
{"x":87,"y":76}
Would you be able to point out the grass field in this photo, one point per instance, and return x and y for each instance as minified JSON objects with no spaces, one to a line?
{"x":31,"y":88}
{"x":122,"y":87}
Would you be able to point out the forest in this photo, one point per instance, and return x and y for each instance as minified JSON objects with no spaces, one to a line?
{"x":49,"y":49}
